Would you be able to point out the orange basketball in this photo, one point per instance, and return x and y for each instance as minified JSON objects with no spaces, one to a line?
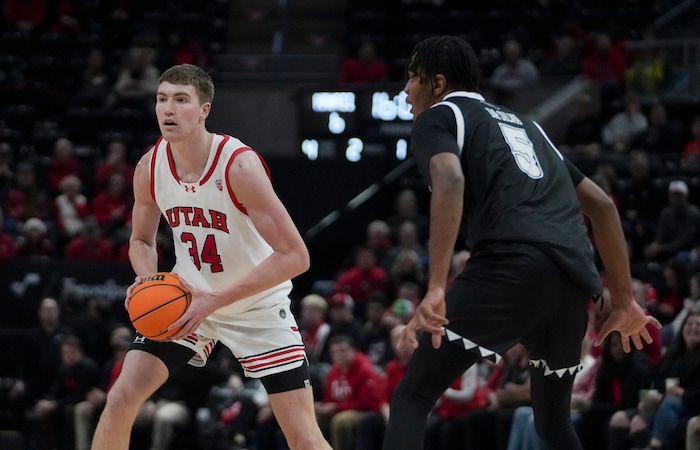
{"x":156,"y":303}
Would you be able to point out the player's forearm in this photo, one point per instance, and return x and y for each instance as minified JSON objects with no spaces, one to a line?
{"x":276,"y":269}
{"x":612,"y":247}
{"x":446,"y":203}
{"x":143,"y":257}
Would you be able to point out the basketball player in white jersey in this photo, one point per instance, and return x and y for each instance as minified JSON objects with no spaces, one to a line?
{"x":237,"y":250}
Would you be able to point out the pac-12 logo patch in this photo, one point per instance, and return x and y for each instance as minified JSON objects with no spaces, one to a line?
{"x":283,"y":313}
{"x":219,"y":185}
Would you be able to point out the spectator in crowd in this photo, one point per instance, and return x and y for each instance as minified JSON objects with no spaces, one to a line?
{"x":365,"y":66}
{"x":115,"y":161}
{"x":34,"y":242}
{"x":604,"y":64}
{"x":674,"y":288}
{"x":406,"y":208}
{"x":136,"y":83}
{"x":41,"y":353}
{"x":51,"y":417}
{"x":690,"y":303}
{"x":618,"y":380}
{"x":661,"y":418}
{"x":583,"y":134}
{"x":314,"y":328}
{"x":515,"y":72}
{"x":8,"y":250}
{"x":232,"y":411}
{"x":663,"y":138}
{"x":692,"y":439}
{"x":71,"y":207}
{"x":89,"y":245}
{"x":314,"y":333}
{"x":408,"y":266}
{"x":641,"y":200}
{"x":112,"y":208}
{"x":646,"y":72}
{"x":407,"y":238}
{"x":370,"y":428}
{"x":678,"y":226}
{"x":25,"y":15}
{"x":363,"y":278}
{"x":374,"y":337}
{"x":190,"y":50}
{"x":400,"y":312}
{"x":26,"y":198}
{"x":565,"y":58}
{"x":7,"y":173}
{"x":442,"y":431}
{"x":690,"y":157}
{"x":353,"y":387}
{"x":65,"y":18}
{"x":63,"y":162}
{"x":94,"y":83}
{"x":619,"y":132}
{"x":342,"y":320}
{"x":378,"y":237}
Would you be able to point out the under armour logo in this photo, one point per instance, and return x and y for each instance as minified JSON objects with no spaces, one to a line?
{"x":139,"y":340}
{"x":189,"y":188}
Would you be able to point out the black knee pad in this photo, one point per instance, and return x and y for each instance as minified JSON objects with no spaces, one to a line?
{"x":288,"y":381}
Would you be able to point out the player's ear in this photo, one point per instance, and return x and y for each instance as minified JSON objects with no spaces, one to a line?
{"x":439,"y":85}
{"x":206,"y":107}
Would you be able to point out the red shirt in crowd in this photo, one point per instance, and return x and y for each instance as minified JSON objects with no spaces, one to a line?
{"x":359,"y":388}
{"x":89,"y":250}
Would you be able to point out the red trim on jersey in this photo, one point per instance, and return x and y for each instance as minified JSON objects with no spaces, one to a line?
{"x":153,"y":169}
{"x":216,"y":159}
{"x":171,"y":163}
{"x":237,"y":152}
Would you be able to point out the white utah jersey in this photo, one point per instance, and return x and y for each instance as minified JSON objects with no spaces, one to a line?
{"x":216,"y":243}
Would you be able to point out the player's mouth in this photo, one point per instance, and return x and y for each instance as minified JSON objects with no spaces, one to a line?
{"x":169,"y":123}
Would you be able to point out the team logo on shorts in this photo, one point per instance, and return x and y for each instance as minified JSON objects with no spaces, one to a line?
{"x":283,"y":313}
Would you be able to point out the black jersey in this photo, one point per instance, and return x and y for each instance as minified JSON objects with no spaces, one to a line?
{"x":518,"y":187}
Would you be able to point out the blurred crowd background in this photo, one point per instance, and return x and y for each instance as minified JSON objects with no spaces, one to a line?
{"x":615,"y":84}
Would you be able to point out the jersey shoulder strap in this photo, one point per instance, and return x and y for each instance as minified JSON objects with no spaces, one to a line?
{"x":459,"y":119}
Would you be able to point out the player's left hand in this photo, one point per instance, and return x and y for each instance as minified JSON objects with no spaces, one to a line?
{"x":203,"y":304}
{"x":430,"y":317}
{"x":630,"y":321}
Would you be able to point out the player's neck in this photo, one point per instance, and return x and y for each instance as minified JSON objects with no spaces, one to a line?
{"x":191,"y":157}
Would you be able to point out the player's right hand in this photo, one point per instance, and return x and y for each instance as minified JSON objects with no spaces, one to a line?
{"x":138,"y":280}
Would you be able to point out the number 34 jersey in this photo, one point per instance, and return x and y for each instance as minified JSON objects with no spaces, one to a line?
{"x":216,"y":243}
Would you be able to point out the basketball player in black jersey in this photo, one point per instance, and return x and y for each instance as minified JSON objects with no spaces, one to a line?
{"x":495,"y":177}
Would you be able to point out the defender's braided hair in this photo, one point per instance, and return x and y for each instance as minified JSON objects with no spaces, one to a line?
{"x":448,"y":55}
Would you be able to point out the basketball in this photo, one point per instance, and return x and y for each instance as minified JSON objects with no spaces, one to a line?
{"x":156,"y":303}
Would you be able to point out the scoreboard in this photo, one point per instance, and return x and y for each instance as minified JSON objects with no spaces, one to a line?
{"x":354,"y":124}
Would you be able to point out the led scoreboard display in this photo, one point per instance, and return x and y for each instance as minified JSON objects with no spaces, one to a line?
{"x":354,"y":124}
